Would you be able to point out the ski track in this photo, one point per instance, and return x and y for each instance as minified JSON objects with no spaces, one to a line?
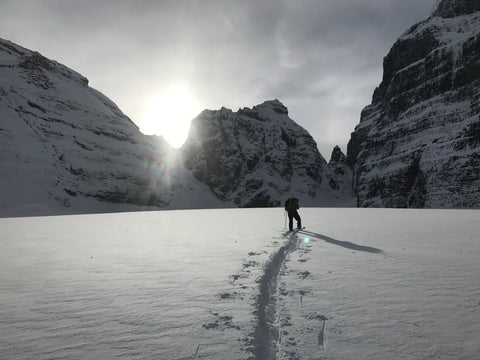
{"x":266,"y":336}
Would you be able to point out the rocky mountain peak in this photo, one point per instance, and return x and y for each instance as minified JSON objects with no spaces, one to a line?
{"x":42,"y":71}
{"x":337,"y":157}
{"x":272,"y":105}
{"x":255,"y":157}
{"x":339,"y":173}
{"x":454,"y":8}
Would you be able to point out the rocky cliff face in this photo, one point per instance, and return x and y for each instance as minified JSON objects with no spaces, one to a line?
{"x":454,"y":8}
{"x":256,"y":157}
{"x":418,"y":143}
{"x":65,"y":145}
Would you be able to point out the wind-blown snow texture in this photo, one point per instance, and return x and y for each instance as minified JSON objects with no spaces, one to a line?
{"x":418,"y":143}
{"x":217,"y":284}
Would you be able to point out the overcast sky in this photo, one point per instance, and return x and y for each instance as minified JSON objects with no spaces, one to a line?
{"x":321,"y":58}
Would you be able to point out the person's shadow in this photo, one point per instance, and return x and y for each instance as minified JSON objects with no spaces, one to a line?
{"x":345,"y":244}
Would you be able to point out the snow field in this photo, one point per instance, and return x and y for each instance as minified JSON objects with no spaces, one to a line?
{"x":419,"y":298}
{"x":130,"y":285}
{"x":369,"y":284}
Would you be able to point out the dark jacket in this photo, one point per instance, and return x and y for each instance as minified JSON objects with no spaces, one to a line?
{"x":291,"y":205}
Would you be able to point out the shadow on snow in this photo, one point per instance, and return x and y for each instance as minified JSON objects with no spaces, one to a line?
{"x":345,"y":244}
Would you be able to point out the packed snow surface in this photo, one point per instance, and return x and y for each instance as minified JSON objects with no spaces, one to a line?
{"x":234,"y":284}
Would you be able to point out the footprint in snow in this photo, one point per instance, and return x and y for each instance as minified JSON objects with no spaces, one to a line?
{"x":321,"y":336}
{"x":304,"y":274}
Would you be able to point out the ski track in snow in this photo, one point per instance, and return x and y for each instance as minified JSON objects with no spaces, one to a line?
{"x":266,"y":331}
{"x":271,"y":339}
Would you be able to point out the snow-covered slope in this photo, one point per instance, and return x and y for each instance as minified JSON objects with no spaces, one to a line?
{"x":418,"y":143}
{"x":231,"y":284}
{"x":66,"y":147}
{"x":258,"y":157}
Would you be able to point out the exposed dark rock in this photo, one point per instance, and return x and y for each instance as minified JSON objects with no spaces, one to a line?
{"x":454,"y":8}
{"x":339,"y":172}
{"x":255,"y":157}
{"x":417,"y":143}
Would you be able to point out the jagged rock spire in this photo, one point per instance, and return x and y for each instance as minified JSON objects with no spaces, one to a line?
{"x":337,"y":157}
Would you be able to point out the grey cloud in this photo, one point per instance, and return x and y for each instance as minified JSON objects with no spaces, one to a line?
{"x":322,"y":59}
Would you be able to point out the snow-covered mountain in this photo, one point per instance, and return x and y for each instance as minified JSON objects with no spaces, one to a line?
{"x":418,"y":142}
{"x":256,"y":157}
{"x":66,"y":147}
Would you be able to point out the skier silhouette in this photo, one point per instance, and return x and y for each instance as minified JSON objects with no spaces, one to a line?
{"x":291,"y":206}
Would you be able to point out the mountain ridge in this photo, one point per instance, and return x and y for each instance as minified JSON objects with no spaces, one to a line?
{"x":66,"y":147}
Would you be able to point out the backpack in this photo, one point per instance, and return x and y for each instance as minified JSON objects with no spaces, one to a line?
{"x":291,"y":204}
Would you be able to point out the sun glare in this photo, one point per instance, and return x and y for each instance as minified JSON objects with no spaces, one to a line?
{"x":169,"y":114}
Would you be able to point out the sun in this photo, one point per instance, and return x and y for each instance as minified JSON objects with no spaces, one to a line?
{"x":169,"y":113}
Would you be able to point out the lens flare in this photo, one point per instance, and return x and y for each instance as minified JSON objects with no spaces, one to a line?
{"x":169,"y":113}
{"x":306,"y":240}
